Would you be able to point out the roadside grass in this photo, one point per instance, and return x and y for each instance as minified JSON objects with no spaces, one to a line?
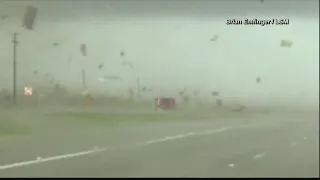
{"x":10,"y":128}
{"x":123,"y":118}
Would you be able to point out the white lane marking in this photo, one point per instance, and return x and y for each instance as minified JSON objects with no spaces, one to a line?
{"x":231,"y":165}
{"x":191,"y":134}
{"x":258,"y":156}
{"x":53,"y":158}
{"x":215,"y":131}
{"x":179,"y":136}
{"x":97,"y":149}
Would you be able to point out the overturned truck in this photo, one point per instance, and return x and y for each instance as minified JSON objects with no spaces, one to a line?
{"x":164,"y":103}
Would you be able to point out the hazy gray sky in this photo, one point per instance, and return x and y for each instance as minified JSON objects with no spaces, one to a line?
{"x":82,"y":9}
{"x":169,"y":43}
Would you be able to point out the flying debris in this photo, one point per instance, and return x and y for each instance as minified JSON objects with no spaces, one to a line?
{"x":100,"y":66}
{"x":286,"y":43}
{"x":122,"y":54}
{"x":238,"y":107}
{"x":145,"y":89}
{"x":85,"y":92}
{"x":181,"y":93}
{"x":105,"y":78}
{"x":3,"y":17}
{"x":101,"y":79}
{"x":214,"y":38}
{"x":127,"y":63}
{"x":55,"y":44}
{"x":35,"y":72}
{"x":83,"y":49}
{"x":219,"y":102}
{"x":215,"y":93}
{"x":186,"y":99}
{"x":258,"y":80}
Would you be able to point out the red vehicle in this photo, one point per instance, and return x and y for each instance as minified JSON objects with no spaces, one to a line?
{"x":165,"y":103}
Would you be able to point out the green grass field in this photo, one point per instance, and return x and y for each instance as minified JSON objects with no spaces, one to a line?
{"x":9,"y":128}
{"x":121,"y":118}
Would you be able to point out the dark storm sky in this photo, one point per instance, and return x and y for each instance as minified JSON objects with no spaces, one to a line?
{"x":64,"y":8}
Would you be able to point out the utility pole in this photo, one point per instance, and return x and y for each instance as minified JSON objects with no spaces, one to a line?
{"x":15,"y":42}
{"x":138,"y":87}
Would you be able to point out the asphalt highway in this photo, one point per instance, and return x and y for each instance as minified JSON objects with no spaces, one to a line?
{"x":269,"y":146}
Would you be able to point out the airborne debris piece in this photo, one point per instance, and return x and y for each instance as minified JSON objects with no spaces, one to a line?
{"x":85,"y":92}
{"x":101,"y":79}
{"x":165,"y":103}
{"x":238,"y":107}
{"x":35,"y":72}
{"x":4,"y":93}
{"x":261,"y":1}
{"x":122,"y":54}
{"x":3,"y":17}
{"x":145,"y":89}
{"x":100,"y":66}
{"x":127,"y":63}
{"x":28,"y":91}
{"x":186,"y":99}
{"x":219,"y":102}
{"x":258,"y":156}
{"x":112,"y":77}
{"x":181,"y":93}
{"x":55,"y":44}
{"x":83,"y":49}
{"x":214,"y":38}
{"x":29,"y":17}
{"x":286,"y":43}
{"x":258,"y":80}
{"x":215,"y":93}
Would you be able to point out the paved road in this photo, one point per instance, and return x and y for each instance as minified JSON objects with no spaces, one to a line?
{"x":283,"y":147}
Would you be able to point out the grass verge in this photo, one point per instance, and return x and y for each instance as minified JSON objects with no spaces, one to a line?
{"x":121,"y":118}
{"x":9,"y":128}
